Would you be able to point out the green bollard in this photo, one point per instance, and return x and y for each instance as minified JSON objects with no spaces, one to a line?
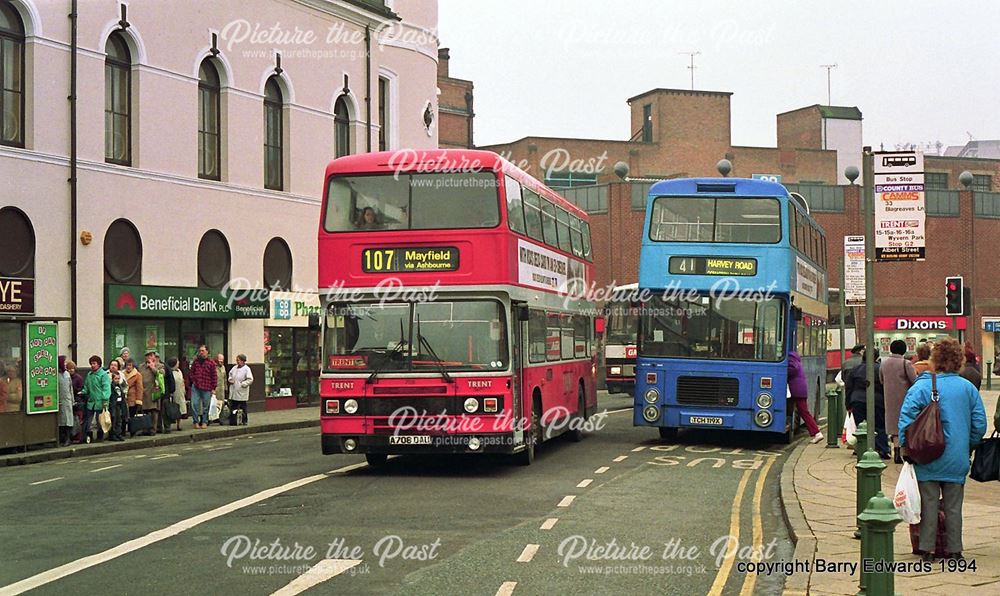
{"x":878,"y":522}
{"x":869,"y":470}
{"x":989,"y":375}
{"x":832,"y":426}
{"x":862,"y":440}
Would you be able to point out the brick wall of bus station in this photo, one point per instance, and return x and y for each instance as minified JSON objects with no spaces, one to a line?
{"x":956,"y":245}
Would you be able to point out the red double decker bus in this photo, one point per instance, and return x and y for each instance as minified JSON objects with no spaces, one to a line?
{"x":447,"y":324}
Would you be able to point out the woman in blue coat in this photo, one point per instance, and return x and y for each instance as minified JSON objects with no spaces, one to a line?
{"x":964,"y":421}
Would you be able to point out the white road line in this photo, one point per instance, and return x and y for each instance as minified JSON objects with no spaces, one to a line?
{"x":165,"y":455}
{"x":585,"y":483}
{"x":140,"y":455}
{"x":268,"y":441}
{"x":528,"y":553}
{"x":549,"y":523}
{"x":106,"y":468}
{"x":317,"y":574}
{"x":638,"y":449}
{"x":601,"y":470}
{"x":221,"y":448}
{"x":506,"y":589}
{"x":349,"y":468}
{"x":566,"y":501}
{"x":620,"y":411}
{"x":45,"y":481}
{"x":620,"y":458}
{"x":47,"y":577}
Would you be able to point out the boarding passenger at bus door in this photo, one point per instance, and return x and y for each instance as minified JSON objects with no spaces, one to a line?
{"x":799,"y":392}
{"x":368,"y":220}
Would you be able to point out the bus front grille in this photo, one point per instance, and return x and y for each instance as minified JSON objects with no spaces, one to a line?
{"x":708,"y":391}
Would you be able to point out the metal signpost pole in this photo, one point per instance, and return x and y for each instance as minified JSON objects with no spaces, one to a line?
{"x":868,"y":188}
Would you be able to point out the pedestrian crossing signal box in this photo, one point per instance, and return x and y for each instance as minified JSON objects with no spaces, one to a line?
{"x":954,"y":296}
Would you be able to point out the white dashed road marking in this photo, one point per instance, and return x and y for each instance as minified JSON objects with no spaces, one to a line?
{"x":620,"y":458}
{"x":106,"y":468}
{"x":528,"y":553}
{"x":549,"y":523}
{"x":317,"y":574}
{"x":585,"y":483}
{"x":45,"y":481}
{"x":566,"y":501}
{"x":506,"y":589}
{"x":601,"y":470}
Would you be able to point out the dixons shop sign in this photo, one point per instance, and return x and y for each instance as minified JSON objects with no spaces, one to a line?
{"x":918,"y":323}
{"x":166,"y":302}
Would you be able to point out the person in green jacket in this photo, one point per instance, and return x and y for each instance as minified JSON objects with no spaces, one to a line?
{"x":97,"y":389}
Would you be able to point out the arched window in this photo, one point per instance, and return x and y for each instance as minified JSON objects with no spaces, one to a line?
{"x":17,"y":244}
{"x":273,"y":130}
{"x":117,"y":101}
{"x":277,"y":265}
{"x":11,"y":76}
{"x":214,"y":260}
{"x":209,"y":126}
{"x":122,"y":254}
{"x":341,"y":128}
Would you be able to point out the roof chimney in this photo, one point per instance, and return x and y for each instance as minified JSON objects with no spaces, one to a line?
{"x":443,"y":62}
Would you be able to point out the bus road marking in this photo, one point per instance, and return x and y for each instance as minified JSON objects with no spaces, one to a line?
{"x":317,"y":574}
{"x":585,"y":483}
{"x":566,"y":501}
{"x":528,"y":553}
{"x":45,"y":481}
{"x":620,"y":458}
{"x":734,"y":533}
{"x":640,"y":448}
{"x":758,"y":529}
{"x":601,"y":470}
{"x":620,"y":411}
{"x":165,"y":455}
{"x":506,"y":589}
{"x":106,"y":468}
{"x":46,"y":577}
{"x":549,"y":523}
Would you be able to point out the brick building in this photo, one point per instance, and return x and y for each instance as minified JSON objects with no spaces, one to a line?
{"x":455,"y":111}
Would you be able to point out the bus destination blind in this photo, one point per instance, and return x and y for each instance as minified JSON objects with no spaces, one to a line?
{"x":409,"y":260}
{"x":713,"y":266}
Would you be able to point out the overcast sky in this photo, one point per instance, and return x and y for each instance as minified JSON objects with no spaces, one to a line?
{"x":920,"y":71}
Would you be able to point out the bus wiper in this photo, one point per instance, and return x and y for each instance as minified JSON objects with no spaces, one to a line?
{"x":396,"y":350}
{"x":422,"y":341}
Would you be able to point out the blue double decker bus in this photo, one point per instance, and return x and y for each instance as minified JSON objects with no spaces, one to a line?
{"x":736,"y":271}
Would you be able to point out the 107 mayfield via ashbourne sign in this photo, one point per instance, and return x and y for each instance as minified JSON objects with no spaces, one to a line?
{"x":899,"y":206}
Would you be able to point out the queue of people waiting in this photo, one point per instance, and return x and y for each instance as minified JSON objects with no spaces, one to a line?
{"x":149,"y":398}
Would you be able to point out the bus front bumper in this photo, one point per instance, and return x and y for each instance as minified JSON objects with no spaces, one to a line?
{"x":417,"y":444}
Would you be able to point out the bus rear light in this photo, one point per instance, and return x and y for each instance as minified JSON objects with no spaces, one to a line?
{"x":765,"y":382}
{"x":332,"y":406}
{"x":490,"y":405}
{"x":651,"y":378}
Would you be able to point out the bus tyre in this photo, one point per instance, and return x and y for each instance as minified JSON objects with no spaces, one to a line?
{"x":376,"y":460}
{"x":526,"y":457}
{"x":786,"y":437}
{"x":668,"y":433}
{"x":576,"y":425}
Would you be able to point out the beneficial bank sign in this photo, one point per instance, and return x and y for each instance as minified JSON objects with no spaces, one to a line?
{"x":166,"y":302}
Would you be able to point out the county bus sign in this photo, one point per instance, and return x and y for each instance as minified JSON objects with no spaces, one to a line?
{"x":899,"y":206}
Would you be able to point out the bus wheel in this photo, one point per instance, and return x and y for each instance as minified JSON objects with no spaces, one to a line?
{"x":526,"y":457}
{"x":668,"y":433}
{"x":376,"y":460}
{"x":576,"y":424}
{"x":786,"y":437}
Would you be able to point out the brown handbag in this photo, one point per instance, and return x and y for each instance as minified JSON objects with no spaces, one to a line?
{"x":925,"y":436}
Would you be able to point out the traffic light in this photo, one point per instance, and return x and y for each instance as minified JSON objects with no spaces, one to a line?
{"x":954,"y":305}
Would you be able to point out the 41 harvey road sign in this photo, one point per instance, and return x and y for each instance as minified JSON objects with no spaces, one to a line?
{"x":899,"y":206}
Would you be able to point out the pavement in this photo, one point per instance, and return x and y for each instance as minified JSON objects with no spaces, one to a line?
{"x":260,"y":422}
{"x":818,"y":489}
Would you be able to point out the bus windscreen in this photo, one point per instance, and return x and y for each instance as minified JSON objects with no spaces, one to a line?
{"x":710,"y":219}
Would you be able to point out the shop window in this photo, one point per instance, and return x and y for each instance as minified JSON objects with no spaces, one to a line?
{"x":277,"y":265}
{"x":291,"y":363}
{"x":122,"y":254}
{"x":17,"y":244}
{"x":11,"y":367}
{"x":214,"y":260}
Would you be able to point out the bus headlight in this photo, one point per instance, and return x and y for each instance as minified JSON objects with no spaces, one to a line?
{"x":651,"y":413}
{"x":762,"y":418}
{"x":351,"y":406}
{"x":764,"y":400}
{"x":651,"y":395}
{"x":471,"y":405}
{"x":616,"y":370}
{"x":350,"y":444}
{"x":474,"y":444}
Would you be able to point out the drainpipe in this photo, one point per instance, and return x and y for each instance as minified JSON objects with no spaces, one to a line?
{"x":73,"y":198}
{"x":368,"y":86}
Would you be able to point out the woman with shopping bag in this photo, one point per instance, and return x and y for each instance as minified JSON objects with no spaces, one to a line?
{"x":963,"y":420}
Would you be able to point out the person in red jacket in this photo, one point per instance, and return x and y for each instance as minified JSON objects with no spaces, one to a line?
{"x":203,"y":382}
{"x":799,"y":391}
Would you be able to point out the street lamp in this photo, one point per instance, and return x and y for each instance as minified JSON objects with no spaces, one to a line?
{"x":724,"y":166}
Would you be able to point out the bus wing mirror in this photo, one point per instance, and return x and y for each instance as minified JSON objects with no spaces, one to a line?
{"x":521,"y":312}
{"x":314,"y":321}
{"x":796,"y":313}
